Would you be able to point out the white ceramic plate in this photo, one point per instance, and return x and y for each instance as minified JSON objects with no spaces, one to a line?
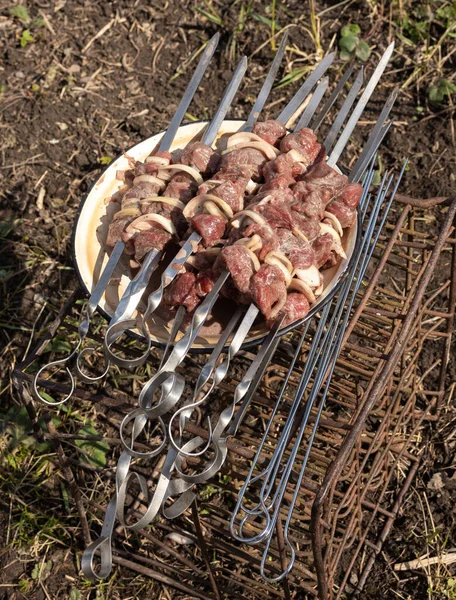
{"x":91,"y":252}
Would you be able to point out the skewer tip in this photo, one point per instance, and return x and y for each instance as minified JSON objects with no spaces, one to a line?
{"x":284,"y":40}
{"x":389,"y":50}
{"x":214,"y":39}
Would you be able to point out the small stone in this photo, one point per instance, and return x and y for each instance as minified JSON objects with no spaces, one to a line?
{"x":436,"y":483}
{"x":62,"y":126}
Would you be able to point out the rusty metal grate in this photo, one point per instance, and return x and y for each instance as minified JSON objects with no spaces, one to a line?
{"x":365,"y":454}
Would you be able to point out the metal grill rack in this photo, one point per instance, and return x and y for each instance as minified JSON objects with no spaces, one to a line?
{"x":365,"y":454}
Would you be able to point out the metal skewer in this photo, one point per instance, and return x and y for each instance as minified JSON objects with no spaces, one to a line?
{"x":171,"y":390}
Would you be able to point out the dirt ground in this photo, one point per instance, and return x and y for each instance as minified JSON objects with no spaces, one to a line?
{"x":82,"y":81}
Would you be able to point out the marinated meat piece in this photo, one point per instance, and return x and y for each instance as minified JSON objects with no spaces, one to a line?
{"x":268,"y":237}
{"x":145,"y":169}
{"x":346,"y":215}
{"x":296,"y":307}
{"x":116,"y":228}
{"x":308,"y":227}
{"x":280,"y":182}
{"x":205,"y":282}
{"x":182,"y":292}
{"x":182,"y":187}
{"x":310,"y":198}
{"x":141,"y":191}
{"x":152,"y":206}
{"x":276,"y":215}
{"x":247,"y":158}
{"x":268,"y":288}
{"x":202,"y":157}
{"x":275,"y":194}
{"x":228,"y":184}
{"x":231,"y":173}
{"x":210,"y":227}
{"x":299,"y":252}
{"x":232,"y":193}
{"x":270,"y":131}
{"x":351,"y":195}
{"x":148,"y":240}
{"x":325,"y":177}
{"x":283,"y":166}
{"x":322,"y":247}
{"x":305,"y":142}
{"x":237,"y":261}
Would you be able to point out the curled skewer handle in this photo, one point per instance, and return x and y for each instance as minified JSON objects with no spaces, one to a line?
{"x":172,"y":387}
{"x":62,"y":362}
{"x":209,"y":370}
{"x":133,"y":415}
{"x":83,"y":330}
{"x":165,"y":488}
{"x":224,"y":418}
{"x":84,"y":376}
{"x":101,"y":547}
{"x":264,"y":561}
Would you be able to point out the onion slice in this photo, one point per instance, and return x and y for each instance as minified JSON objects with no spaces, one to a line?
{"x":127,"y":212}
{"x":269,"y":151}
{"x":278,"y":306}
{"x":304,"y":288}
{"x":254,"y":258}
{"x":271,"y":259}
{"x":165,"y":200}
{"x":146,"y":222}
{"x":212,"y":208}
{"x":180,"y":167}
{"x":252,"y":187}
{"x":337,"y":246}
{"x":200,"y":201}
{"x":247,"y":138}
{"x":311,"y":276}
{"x":283,"y":259}
{"x":251,"y":214}
{"x":254,"y":243}
{"x":149,"y":179}
{"x":298,"y":233}
{"x":335,"y":221}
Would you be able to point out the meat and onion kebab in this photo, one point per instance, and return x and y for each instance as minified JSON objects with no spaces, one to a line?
{"x":268,"y":209}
